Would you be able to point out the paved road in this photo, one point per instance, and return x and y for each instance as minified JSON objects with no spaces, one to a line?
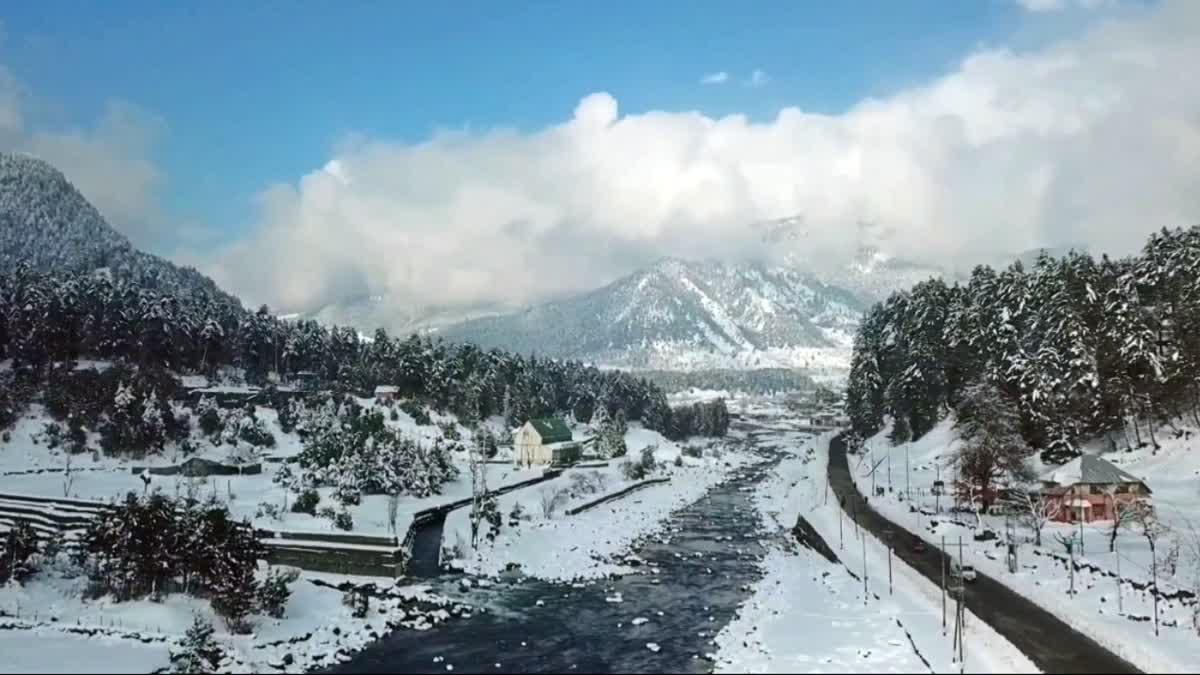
{"x":1051,"y":644}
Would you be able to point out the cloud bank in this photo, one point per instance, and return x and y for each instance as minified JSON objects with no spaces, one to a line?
{"x":720,"y":77}
{"x":1093,"y":139}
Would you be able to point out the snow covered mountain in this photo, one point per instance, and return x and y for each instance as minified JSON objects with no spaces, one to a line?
{"x":46,"y":223}
{"x":369,"y":312}
{"x":682,"y":315}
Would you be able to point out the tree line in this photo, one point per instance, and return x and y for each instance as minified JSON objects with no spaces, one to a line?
{"x":48,"y":319}
{"x":1080,"y":348}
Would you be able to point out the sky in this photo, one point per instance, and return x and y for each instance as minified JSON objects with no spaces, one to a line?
{"x":487,"y":152}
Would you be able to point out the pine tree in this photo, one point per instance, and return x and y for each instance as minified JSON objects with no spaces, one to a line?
{"x":198,"y":651}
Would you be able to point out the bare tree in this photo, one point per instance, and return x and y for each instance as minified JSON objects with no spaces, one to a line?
{"x":479,"y":490}
{"x":68,"y":473}
{"x":993,"y":447}
{"x":1036,"y":510}
{"x":1153,"y":530}
{"x":1190,"y":539}
{"x":1123,"y":514}
{"x":393,"y":506}
{"x":551,"y":500}
{"x":1068,"y":544}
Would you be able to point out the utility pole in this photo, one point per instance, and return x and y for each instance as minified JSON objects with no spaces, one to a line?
{"x":937,"y":496}
{"x":942,"y":555}
{"x":889,"y":566}
{"x":866,"y":587}
{"x":1120,"y":600}
{"x":889,"y":471}
{"x":841,"y":537}
{"x":874,"y":467}
{"x":908,"y":479}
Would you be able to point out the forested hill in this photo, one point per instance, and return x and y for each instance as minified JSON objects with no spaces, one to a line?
{"x":1082,"y":348}
{"x":46,"y":223}
{"x":72,"y":287}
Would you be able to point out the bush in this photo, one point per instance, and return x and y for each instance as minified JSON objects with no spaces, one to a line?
{"x":198,"y":651}
{"x":274,"y":591}
{"x":343,"y":521}
{"x":416,"y":411}
{"x":640,"y":468}
{"x":267,"y":510}
{"x":678,"y":460}
{"x":307,"y":502}
{"x":254,"y":432}
{"x":209,"y":418}
{"x":18,"y":552}
{"x":693,"y":451}
{"x":450,"y":431}
{"x":52,"y":432}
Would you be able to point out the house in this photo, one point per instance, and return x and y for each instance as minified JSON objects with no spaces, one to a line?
{"x":386,"y":392}
{"x":305,"y":380}
{"x":545,"y":441}
{"x":1089,"y":488}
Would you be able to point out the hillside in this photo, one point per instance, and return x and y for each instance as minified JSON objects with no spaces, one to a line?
{"x":47,"y":224}
{"x":683,"y":315}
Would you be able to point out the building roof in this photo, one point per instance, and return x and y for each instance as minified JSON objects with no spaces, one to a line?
{"x":1091,"y":471}
{"x":387,"y":389}
{"x":563,"y":444}
{"x":551,"y":429}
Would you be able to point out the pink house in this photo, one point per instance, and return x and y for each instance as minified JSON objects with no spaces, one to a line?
{"x":1089,"y":488}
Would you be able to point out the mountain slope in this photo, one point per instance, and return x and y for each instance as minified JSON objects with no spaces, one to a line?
{"x":683,"y":315}
{"x":46,"y":223}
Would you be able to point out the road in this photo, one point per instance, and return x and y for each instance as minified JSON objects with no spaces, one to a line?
{"x":1051,"y":644}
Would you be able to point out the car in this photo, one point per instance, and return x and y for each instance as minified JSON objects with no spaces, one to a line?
{"x":918,"y":545}
{"x":964,"y":572}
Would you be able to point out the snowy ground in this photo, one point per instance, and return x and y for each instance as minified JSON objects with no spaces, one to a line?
{"x":896,"y":632}
{"x":555,"y":546}
{"x":97,"y":477}
{"x":46,"y":627}
{"x":1042,"y":574}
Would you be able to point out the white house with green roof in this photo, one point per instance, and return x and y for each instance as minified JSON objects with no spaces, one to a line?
{"x":545,"y":441}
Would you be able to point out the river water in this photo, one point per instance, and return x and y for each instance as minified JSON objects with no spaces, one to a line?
{"x":705,"y":562}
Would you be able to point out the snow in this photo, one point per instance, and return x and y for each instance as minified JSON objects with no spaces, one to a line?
{"x":588,"y":545}
{"x":46,"y":618}
{"x":27,"y":651}
{"x":1042,"y":575}
{"x":896,"y":632}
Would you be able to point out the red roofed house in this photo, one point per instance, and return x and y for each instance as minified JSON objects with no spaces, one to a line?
{"x":1089,"y":488}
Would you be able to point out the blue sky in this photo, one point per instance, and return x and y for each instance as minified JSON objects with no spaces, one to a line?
{"x":941,"y":131}
{"x":253,"y":93}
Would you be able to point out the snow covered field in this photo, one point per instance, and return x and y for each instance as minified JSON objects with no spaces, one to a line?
{"x":588,"y":545}
{"x":1125,"y":624}
{"x":897,"y":632}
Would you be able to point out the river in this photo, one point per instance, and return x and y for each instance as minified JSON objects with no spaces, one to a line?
{"x":705,"y":562}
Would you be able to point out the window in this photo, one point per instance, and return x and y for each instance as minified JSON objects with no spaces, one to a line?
{"x":1123,"y":489}
{"x":1095,"y":489}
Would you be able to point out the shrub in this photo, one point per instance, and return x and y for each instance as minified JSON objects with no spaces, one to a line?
{"x":274,"y":591}
{"x":450,"y":431}
{"x":552,"y":499}
{"x":18,"y":552}
{"x":693,"y":451}
{"x":416,"y":411}
{"x":516,"y":515}
{"x":679,"y":460}
{"x":268,"y":510}
{"x":198,"y":652}
{"x":52,"y":432}
{"x":307,"y":502}
{"x":254,"y":432}
{"x":343,"y":521}
{"x":209,"y":418}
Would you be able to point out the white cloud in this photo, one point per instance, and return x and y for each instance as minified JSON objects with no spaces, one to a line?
{"x":758,"y":78}
{"x":109,"y":162}
{"x":720,"y":77}
{"x":1093,"y":139}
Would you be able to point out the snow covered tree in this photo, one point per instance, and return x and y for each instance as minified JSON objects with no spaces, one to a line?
{"x":17,"y":552}
{"x":992,"y":445}
{"x":198,"y":651}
